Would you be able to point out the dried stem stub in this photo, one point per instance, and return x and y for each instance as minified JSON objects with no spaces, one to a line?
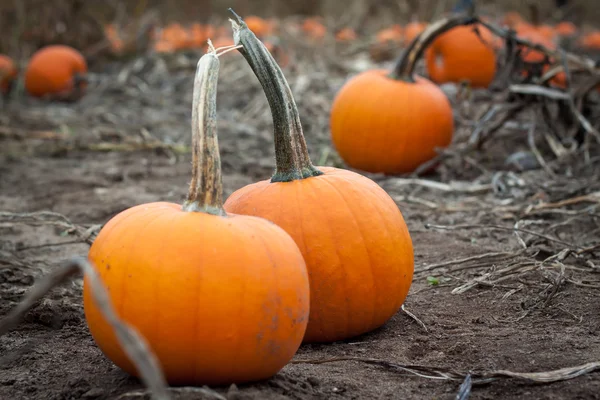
{"x":206,"y":188}
{"x":291,"y":153}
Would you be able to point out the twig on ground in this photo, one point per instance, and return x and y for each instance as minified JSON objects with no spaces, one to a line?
{"x":440,"y":373}
{"x":132,"y":343}
{"x":414,"y":318}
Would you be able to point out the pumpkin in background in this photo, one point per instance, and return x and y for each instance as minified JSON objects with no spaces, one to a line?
{"x":392,"y":122}
{"x":566,"y":29}
{"x":314,"y":28}
{"x":220,"y":298}
{"x":461,"y":54}
{"x":392,"y":34}
{"x":114,"y":38}
{"x":177,"y":36}
{"x":591,"y":41}
{"x":412,"y":30}
{"x":386,"y":43}
{"x":346,"y":35}
{"x":352,"y":235}
{"x":57,"y":72}
{"x":198,"y":36}
{"x":531,"y":55}
{"x":537,"y":60}
{"x":259,"y":26}
{"x":8,"y":74}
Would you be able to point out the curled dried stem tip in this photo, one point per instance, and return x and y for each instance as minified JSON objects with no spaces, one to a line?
{"x":219,"y":51}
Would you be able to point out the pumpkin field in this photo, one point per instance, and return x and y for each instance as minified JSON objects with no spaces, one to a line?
{"x":299,"y":200}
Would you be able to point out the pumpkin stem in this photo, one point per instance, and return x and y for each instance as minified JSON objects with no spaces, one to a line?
{"x":405,"y":66}
{"x":206,"y":188}
{"x":291,"y":153}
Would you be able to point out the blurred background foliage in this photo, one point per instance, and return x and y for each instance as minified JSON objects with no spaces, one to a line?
{"x":27,"y":25}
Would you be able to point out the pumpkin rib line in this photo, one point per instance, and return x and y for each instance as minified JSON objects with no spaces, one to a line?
{"x":240,"y":233}
{"x":364,"y":245}
{"x":381,"y":195}
{"x":321,"y":328}
{"x":141,"y":232}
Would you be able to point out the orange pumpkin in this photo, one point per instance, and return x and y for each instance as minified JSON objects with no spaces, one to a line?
{"x":114,"y":38}
{"x":401,"y":133}
{"x":386,"y":43}
{"x":591,"y":41}
{"x":535,"y":56}
{"x":546,"y":31}
{"x":566,"y":29}
{"x":346,"y":35}
{"x":412,"y":30}
{"x":197,"y":36}
{"x":177,"y":36}
{"x":259,"y":26}
{"x":390,"y":35}
{"x":220,"y":298}
{"x":8,"y":74}
{"x":355,"y":242}
{"x":56,"y":71}
{"x":163,"y":46}
{"x":462,"y":55}
{"x":314,"y":29}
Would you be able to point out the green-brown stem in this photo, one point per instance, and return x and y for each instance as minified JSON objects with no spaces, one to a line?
{"x":206,"y":188}
{"x":405,"y":66}
{"x":291,"y":153}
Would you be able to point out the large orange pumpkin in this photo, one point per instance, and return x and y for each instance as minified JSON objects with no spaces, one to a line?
{"x":56,"y":71}
{"x":355,"y":242}
{"x":461,"y":54}
{"x":220,"y":298}
{"x":8,"y":74}
{"x":393,"y":122}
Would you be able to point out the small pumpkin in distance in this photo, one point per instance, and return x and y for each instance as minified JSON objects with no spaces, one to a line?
{"x":219,"y":298}
{"x":352,"y":235}
{"x":259,"y":26}
{"x":392,"y":122}
{"x":590,"y":41}
{"x":346,"y":35}
{"x":462,"y":54}
{"x":8,"y":74}
{"x":566,"y":29}
{"x":314,"y":28}
{"x":57,"y":72}
{"x":412,"y":30}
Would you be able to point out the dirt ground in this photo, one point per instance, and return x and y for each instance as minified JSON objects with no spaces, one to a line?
{"x":124,"y":144}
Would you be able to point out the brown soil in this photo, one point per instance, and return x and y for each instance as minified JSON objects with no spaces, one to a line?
{"x":51,"y":354}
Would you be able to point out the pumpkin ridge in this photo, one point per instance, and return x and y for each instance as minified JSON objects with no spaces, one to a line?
{"x":124,"y":290}
{"x":380,"y":193}
{"x":123,"y":295}
{"x":340,"y":263}
{"x":367,"y":252}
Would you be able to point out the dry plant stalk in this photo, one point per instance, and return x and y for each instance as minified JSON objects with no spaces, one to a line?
{"x":438,"y":373}
{"x":130,"y":340}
